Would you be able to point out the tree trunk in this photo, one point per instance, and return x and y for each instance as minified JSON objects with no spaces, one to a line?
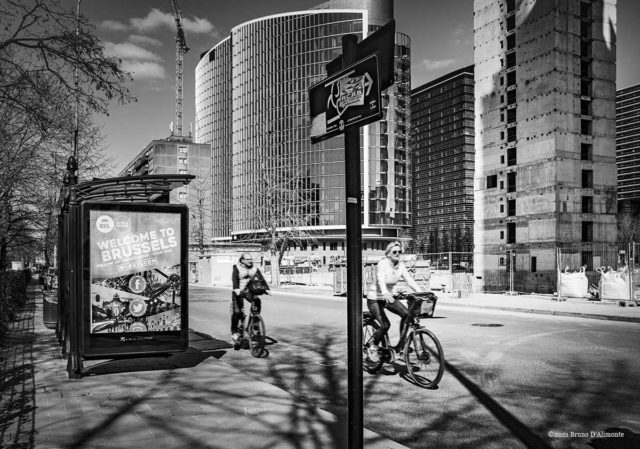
{"x":275,"y":269}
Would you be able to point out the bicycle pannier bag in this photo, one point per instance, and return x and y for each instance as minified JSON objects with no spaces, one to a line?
{"x":257,"y":285}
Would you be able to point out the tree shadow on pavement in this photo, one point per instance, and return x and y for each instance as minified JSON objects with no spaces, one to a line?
{"x":17,"y":393}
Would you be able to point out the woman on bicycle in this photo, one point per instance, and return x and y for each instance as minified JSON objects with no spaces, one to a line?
{"x":241,"y":274}
{"x":380,"y":296}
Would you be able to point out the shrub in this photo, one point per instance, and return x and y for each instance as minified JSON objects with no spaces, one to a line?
{"x":13,"y":295}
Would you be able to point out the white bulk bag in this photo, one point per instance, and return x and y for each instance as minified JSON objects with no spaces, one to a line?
{"x":572,"y":285}
{"x":612,"y":284}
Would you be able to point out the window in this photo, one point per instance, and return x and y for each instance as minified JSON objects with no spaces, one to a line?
{"x":511,"y":23}
{"x":585,"y":127}
{"x":511,"y":208}
{"x":511,"y":182}
{"x":585,"y":87}
{"x":511,"y":156}
{"x":511,"y":233}
{"x":534,"y":264}
{"x":511,"y":42}
{"x":511,"y":78}
{"x":511,"y":97}
{"x":501,"y":235}
{"x":587,"y":179}
{"x":492,"y":181}
{"x":511,"y":60}
{"x":585,"y":107}
{"x":511,"y":5}
{"x":502,"y":208}
{"x":511,"y":134}
{"x":586,"y":152}
{"x":587,"y":231}
{"x":183,"y":149}
{"x":587,"y":204}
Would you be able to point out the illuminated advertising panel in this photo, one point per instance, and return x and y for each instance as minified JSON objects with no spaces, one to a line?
{"x":134,"y":296}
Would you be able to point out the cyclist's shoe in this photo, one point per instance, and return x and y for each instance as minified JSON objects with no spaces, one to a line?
{"x":373,"y":353}
{"x":235,"y":338}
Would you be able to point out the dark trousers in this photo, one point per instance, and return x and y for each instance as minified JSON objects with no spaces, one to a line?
{"x":237,"y":308}
{"x":376,"y":307}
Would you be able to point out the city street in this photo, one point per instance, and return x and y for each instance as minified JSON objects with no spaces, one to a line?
{"x":554,"y":378}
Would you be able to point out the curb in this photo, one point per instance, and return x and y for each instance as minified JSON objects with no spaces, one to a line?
{"x":595,"y":316}
{"x":628,"y":319}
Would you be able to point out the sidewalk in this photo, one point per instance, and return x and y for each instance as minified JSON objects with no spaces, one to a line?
{"x":191,"y":399}
{"x":541,"y":304}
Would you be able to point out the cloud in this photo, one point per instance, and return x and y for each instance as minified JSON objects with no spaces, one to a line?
{"x":147,"y":70}
{"x":112,"y":25}
{"x":198,"y":26}
{"x":144,"y":40}
{"x":142,"y":63}
{"x":156,"y":19}
{"x":431,"y":64}
{"x":129,"y":51}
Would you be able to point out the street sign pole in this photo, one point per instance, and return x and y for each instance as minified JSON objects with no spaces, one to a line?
{"x":354,"y":266}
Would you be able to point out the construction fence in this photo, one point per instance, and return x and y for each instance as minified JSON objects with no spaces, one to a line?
{"x":591,"y":271}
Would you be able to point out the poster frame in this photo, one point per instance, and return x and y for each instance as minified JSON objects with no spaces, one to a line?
{"x":101,"y":345}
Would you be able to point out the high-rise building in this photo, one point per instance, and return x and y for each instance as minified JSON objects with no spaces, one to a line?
{"x":179,"y":155}
{"x":628,"y":148}
{"x":545,"y":166}
{"x":252,"y":107}
{"x":442,"y":149}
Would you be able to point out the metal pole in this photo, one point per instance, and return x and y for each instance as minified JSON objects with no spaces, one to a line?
{"x":630,"y":259}
{"x":354,"y":266}
{"x":75,"y":77}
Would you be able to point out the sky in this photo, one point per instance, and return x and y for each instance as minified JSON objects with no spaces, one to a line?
{"x":142,"y":34}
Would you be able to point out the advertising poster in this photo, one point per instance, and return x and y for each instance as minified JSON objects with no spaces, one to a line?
{"x":134,"y":271}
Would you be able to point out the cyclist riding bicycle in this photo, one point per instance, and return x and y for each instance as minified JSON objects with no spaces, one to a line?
{"x":241,"y":274}
{"x":380,"y":296}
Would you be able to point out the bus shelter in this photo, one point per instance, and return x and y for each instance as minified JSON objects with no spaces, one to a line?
{"x":123,"y":269}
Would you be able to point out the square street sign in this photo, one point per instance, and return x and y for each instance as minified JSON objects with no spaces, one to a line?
{"x":351,"y":97}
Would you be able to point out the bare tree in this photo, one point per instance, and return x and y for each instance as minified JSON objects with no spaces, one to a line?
{"x":286,"y":207}
{"x":628,"y":227}
{"x":47,"y":57}
{"x":200,"y":207}
{"x":43,"y":46}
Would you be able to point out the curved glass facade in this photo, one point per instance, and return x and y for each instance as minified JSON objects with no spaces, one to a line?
{"x":262,"y":125}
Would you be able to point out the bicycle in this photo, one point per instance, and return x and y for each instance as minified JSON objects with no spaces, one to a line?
{"x":421,"y":349}
{"x":256,"y":332}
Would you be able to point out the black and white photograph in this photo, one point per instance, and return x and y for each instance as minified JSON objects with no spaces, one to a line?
{"x":320,"y":224}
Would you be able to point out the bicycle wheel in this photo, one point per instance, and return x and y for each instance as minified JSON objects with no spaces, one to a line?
{"x":424,"y":358}
{"x":369,"y":327}
{"x":257,"y":335}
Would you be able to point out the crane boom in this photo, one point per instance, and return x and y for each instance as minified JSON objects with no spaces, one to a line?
{"x":181,"y":49}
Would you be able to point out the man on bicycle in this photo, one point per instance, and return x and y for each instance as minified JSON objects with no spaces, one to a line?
{"x":241,"y":274}
{"x":380,"y":296}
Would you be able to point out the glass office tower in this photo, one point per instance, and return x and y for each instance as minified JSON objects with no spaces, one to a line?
{"x":252,"y":106}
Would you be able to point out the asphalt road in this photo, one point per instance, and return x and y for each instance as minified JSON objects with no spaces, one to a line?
{"x":512,"y":378}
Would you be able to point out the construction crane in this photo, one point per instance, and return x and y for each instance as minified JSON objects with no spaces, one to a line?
{"x":181,"y":49}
